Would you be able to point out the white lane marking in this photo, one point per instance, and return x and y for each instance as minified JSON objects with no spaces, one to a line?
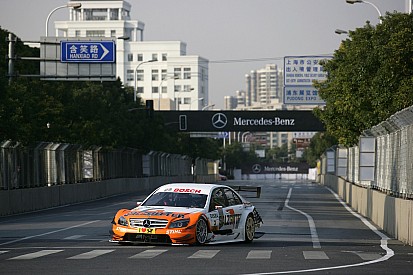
{"x":74,"y":237}
{"x":204,"y":254}
{"x":3,"y":251}
{"x":147,"y":254}
{"x":91,"y":254}
{"x":383,"y":242}
{"x":35,"y":255}
{"x":259,"y":254}
{"x":315,"y":255}
{"x":48,"y":233}
{"x":313,"y":229}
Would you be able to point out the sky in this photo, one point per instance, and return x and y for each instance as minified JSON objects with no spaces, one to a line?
{"x":236,"y":36}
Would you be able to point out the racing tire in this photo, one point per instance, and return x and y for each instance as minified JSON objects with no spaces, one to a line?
{"x":249,"y":229}
{"x":201,"y":233}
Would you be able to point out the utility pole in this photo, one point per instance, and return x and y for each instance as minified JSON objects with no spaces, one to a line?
{"x":11,"y":56}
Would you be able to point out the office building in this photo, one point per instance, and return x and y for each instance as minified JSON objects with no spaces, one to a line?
{"x":159,"y":70}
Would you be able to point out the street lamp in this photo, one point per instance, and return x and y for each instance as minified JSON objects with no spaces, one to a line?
{"x":338,"y":31}
{"x":198,"y":99}
{"x":208,"y":106}
{"x":136,"y":76}
{"x":365,"y":2}
{"x":160,"y":88}
{"x":179,"y":93}
{"x":68,"y":5}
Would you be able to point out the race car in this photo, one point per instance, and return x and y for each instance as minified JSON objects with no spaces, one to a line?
{"x":188,"y":213}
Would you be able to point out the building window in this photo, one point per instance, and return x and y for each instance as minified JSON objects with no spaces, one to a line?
{"x":164,"y":57}
{"x":187,"y":100}
{"x":140,"y":57}
{"x":177,"y":88}
{"x":154,"y":56}
{"x":114,"y":14}
{"x":177,"y":73}
{"x":140,"y":90}
{"x":187,"y":88}
{"x":155,"y":90}
{"x":187,"y":73}
{"x":139,"y":75}
{"x":77,"y":33}
{"x":95,"y":14}
{"x":164,"y":89}
{"x":129,"y":75}
{"x":112,"y":33}
{"x":155,"y":75}
{"x":130,"y":57}
{"x":164,"y":74}
{"x":95,"y":33}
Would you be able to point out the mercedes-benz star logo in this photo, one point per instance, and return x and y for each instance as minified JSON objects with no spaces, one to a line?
{"x":146,"y":223}
{"x":219,"y":120}
{"x":256,"y":168}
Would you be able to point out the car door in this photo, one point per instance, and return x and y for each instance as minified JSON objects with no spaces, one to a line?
{"x":233,"y":210}
{"x":215,"y":213}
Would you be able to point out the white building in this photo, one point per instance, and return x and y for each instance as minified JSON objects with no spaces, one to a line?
{"x":172,"y":79}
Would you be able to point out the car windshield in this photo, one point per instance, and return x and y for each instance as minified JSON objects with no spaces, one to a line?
{"x":176,"y":199}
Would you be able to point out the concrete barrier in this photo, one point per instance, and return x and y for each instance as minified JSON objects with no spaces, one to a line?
{"x":392,"y":215}
{"x":18,"y":201}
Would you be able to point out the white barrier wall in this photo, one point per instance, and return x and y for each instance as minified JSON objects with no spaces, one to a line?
{"x":393,"y":215}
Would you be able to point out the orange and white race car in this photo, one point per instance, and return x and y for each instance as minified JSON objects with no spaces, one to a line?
{"x":188,"y":213}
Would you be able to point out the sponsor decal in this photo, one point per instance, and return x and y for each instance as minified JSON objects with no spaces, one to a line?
{"x":153,"y":213}
{"x":173,"y":231}
{"x":232,"y":218}
{"x":219,"y":120}
{"x":276,"y":121}
{"x":146,"y":230}
{"x":187,"y":190}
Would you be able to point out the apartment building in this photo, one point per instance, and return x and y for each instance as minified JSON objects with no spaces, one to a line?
{"x":157,"y":70}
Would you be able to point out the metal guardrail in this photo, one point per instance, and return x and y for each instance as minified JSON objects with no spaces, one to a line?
{"x":47,"y":164}
{"x":393,"y":157}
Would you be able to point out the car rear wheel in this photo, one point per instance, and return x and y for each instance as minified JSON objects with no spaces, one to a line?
{"x":201,"y":231}
{"x":249,"y":229}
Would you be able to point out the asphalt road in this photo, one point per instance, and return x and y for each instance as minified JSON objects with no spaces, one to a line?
{"x":306,"y":230}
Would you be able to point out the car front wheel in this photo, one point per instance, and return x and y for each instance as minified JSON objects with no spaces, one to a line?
{"x":201,"y":231}
{"x":249,"y":229}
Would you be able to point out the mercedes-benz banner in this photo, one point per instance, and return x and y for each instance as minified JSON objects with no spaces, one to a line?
{"x":255,"y":121}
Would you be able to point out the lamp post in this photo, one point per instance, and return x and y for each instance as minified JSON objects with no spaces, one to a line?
{"x":338,"y":31}
{"x":136,"y":76}
{"x":198,"y":99}
{"x":208,"y":106}
{"x":179,"y":93}
{"x":68,"y":5}
{"x":365,"y":2}
{"x":160,"y":88}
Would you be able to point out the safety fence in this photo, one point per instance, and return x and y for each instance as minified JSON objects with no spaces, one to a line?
{"x":383,"y":159}
{"x":48,"y":164}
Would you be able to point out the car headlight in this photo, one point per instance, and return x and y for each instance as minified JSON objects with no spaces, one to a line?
{"x":179,"y":223}
{"x":122,"y":221}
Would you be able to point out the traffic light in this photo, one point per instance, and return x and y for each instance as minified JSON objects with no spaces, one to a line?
{"x":149,"y":108}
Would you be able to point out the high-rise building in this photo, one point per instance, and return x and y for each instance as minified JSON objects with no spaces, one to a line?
{"x":264,"y":86}
{"x":160,"y":71}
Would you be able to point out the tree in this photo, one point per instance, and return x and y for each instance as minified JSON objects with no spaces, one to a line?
{"x":235,"y":155}
{"x":369,"y":78}
{"x":318,"y":145}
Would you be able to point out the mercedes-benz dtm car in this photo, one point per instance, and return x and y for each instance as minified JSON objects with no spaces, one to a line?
{"x":188,"y":213}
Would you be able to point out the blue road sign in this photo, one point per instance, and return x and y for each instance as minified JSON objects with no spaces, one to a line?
{"x":87,"y":51}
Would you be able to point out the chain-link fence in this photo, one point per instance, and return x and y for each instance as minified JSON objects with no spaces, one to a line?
{"x":47,"y":164}
{"x":392,"y":158}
